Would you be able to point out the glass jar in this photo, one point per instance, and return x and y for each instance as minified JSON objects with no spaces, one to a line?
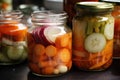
{"x":93,"y":31}
{"x":12,"y":38}
{"x":49,"y":44}
{"x":69,"y":8}
{"x":6,"y":5}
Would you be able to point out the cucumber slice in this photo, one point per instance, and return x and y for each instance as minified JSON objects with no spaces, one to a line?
{"x":109,"y":30}
{"x":15,"y":53}
{"x":95,"y":42}
{"x":24,"y":55}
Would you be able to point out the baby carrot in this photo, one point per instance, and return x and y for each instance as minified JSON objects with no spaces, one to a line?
{"x":62,"y":41}
{"x":51,"y":51}
{"x":39,"y":49}
{"x":64,"y":55}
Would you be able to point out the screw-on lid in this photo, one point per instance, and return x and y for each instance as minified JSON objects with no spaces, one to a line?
{"x":95,"y":7}
{"x":116,"y":1}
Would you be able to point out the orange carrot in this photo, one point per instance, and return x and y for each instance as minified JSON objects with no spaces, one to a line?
{"x":64,"y":55}
{"x":51,"y":51}
{"x":63,"y":40}
{"x":39,"y":49}
{"x":69,"y":46}
{"x":43,"y":64}
{"x":47,"y":63}
{"x":15,"y":32}
{"x":106,"y":55}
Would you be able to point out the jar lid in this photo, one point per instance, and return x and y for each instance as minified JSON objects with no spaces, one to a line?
{"x":116,"y":1}
{"x":95,"y":7}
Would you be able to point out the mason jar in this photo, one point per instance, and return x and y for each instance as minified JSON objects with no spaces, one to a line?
{"x":49,"y":44}
{"x":12,"y":38}
{"x":93,"y":33}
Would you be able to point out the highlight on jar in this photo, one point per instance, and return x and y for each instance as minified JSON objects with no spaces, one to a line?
{"x":49,"y":44}
{"x":13,"y":47}
{"x":93,"y":36}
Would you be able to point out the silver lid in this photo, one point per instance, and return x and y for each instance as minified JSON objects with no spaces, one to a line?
{"x":95,"y":7}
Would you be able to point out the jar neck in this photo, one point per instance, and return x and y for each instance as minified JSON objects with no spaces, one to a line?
{"x":80,"y":12}
{"x":50,"y":18}
{"x":10,"y":17}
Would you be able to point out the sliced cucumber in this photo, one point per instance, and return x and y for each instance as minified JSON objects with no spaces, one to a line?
{"x":15,"y":53}
{"x":109,"y":30}
{"x":24,"y":55}
{"x":95,"y":42}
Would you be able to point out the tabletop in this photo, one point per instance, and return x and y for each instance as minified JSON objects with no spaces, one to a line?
{"x":22,"y":72}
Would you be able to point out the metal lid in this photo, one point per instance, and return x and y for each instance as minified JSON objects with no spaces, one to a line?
{"x":116,"y":1}
{"x":95,"y":7}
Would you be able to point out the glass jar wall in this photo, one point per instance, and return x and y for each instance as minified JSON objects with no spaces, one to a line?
{"x":12,"y":38}
{"x":93,"y":32}
{"x":49,"y":44}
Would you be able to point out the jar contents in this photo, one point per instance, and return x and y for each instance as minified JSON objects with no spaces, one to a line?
{"x":12,"y":38}
{"x":49,"y":44}
{"x":93,"y":32}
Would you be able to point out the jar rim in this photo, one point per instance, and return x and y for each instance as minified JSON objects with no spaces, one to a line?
{"x":11,"y":15}
{"x":48,"y":17}
{"x":48,"y":13}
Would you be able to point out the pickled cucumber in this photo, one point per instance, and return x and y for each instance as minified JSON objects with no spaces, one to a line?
{"x":15,"y":52}
{"x":95,"y":42}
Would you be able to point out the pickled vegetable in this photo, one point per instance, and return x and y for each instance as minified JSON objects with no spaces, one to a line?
{"x":13,"y":48}
{"x":53,"y":59}
{"x":91,"y":38}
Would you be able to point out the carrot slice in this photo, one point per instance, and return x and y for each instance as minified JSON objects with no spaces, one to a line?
{"x":39,"y":49}
{"x":63,"y":40}
{"x":51,"y":51}
{"x":51,"y":62}
{"x":106,"y":55}
{"x":64,"y":55}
